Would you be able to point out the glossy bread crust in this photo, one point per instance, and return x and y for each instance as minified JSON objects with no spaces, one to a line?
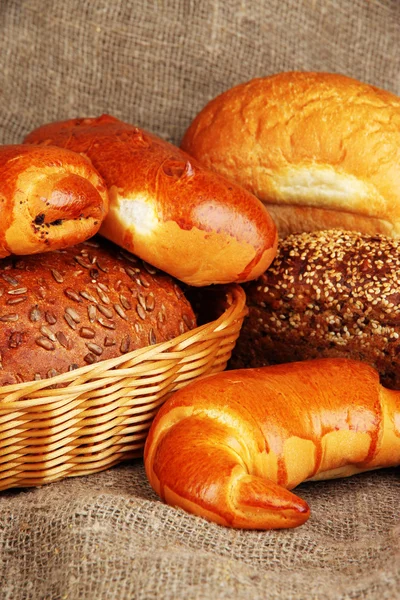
{"x":50,"y":198}
{"x":230,"y":446}
{"x":321,"y":150}
{"x":167,"y":208}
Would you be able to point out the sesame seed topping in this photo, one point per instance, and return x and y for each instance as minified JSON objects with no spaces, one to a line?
{"x":340,"y":288}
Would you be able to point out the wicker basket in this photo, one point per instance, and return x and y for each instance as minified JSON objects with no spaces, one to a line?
{"x":85,"y":421}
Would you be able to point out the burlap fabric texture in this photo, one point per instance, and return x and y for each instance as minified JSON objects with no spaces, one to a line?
{"x":156,"y":64}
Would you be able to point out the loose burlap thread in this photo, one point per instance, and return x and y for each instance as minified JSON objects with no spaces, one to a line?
{"x":156,"y":63}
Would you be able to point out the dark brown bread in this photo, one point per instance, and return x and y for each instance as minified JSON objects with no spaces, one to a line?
{"x":327,"y":294}
{"x":93,"y":301}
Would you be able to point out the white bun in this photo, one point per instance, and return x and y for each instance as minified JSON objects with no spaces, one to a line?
{"x":320,"y":150}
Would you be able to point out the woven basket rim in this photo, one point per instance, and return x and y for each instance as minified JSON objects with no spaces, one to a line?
{"x":101,"y":413}
{"x":73,"y":381}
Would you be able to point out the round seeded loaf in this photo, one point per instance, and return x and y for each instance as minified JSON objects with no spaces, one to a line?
{"x":65,"y":309}
{"x":327,"y":294}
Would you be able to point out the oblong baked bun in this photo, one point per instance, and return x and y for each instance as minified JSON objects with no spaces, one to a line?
{"x":50,"y":198}
{"x":166,"y":207}
{"x":70,"y":308}
{"x":321,"y":150}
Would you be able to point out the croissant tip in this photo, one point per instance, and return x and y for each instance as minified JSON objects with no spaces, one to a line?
{"x":303,"y":508}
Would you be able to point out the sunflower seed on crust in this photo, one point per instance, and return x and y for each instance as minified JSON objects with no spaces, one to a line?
{"x":45,"y":343}
{"x":87,"y":333}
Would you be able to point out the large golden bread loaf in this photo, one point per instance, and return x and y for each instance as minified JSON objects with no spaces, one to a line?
{"x":321,"y":150}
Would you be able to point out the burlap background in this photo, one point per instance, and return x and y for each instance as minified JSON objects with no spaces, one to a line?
{"x":156,"y":63}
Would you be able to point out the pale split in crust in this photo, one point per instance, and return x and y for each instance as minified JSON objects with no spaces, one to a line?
{"x":166,"y":207}
{"x":320,"y":149}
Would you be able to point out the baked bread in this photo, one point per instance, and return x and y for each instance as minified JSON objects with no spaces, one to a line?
{"x":168,"y":209}
{"x":327,"y":294}
{"x":228,"y":447}
{"x":70,"y":308}
{"x":50,"y":198}
{"x":321,"y":150}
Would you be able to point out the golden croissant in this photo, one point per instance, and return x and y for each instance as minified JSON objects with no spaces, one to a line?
{"x":230,"y":446}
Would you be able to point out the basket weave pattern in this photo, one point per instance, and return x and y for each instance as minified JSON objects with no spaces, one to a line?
{"x":89,"y":419}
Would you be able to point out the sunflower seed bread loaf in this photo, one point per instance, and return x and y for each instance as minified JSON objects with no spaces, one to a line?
{"x":65,"y":309}
{"x":327,"y":294}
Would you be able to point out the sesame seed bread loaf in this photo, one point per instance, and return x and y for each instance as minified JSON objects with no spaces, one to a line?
{"x":50,"y":198}
{"x":321,"y":150}
{"x":327,"y":294}
{"x":167,"y":208}
{"x":66,"y":309}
